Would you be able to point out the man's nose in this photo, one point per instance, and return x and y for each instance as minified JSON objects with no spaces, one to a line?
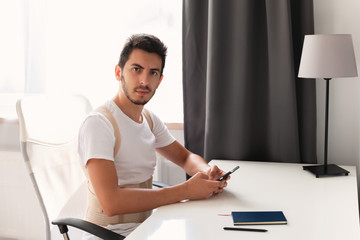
{"x":144,"y":79}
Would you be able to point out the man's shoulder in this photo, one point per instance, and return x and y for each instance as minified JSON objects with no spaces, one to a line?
{"x":96,"y":120}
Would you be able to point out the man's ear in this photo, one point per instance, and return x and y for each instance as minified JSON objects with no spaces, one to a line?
{"x":161,"y":78}
{"x":118,"y":72}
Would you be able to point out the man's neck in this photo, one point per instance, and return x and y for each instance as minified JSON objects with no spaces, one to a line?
{"x":132,"y":110}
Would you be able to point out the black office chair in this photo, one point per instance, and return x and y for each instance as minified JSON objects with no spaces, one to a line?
{"x":89,"y":227}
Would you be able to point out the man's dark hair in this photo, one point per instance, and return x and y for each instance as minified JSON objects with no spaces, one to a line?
{"x":148,"y":43}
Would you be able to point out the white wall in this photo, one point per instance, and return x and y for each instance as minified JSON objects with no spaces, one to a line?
{"x":340,"y":16}
{"x":20,"y":213}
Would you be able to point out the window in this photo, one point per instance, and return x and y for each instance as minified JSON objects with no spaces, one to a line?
{"x":12,"y":61}
{"x":72,"y":47}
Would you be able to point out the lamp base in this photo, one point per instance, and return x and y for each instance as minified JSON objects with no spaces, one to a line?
{"x":326,"y":170}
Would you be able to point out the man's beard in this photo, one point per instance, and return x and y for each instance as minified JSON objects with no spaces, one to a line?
{"x":126,"y":92}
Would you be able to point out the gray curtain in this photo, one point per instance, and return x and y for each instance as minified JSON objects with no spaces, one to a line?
{"x":242,"y":97}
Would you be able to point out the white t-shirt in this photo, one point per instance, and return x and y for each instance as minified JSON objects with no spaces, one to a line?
{"x":136,"y":159}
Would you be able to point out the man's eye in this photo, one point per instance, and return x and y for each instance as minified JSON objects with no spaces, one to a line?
{"x":154,"y":73}
{"x":136,"y":69}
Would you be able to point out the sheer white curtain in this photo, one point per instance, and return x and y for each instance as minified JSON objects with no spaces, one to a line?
{"x":72,"y":46}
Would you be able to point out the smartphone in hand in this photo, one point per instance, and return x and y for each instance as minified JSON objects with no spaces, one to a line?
{"x":223,"y":177}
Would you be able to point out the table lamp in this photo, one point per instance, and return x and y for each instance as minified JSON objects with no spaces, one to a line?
{"x":327,"y":56}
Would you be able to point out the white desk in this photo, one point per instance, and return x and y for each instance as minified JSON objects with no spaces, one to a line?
{"x":316,"y":208}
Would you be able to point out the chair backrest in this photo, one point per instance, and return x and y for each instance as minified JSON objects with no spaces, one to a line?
{"x":48,"y":137}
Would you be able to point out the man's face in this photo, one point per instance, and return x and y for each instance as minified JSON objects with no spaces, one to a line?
{"x":140,"y":76}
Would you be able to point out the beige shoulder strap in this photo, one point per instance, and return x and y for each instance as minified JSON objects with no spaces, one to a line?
{"x":106,"y":112}
{"x":148,"y":118}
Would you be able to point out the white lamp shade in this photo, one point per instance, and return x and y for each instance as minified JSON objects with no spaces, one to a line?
{"x":328,"y":56}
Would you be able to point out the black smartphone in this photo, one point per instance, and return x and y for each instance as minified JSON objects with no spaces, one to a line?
{"x":227,"y":174}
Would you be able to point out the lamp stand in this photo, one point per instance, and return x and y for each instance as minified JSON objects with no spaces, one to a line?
{"x":326,"y":169}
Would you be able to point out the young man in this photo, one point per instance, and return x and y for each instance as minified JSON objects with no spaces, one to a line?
{"x":120,"y":194}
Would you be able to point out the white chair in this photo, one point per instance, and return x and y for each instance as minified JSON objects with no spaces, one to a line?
{"x":48,"y":137}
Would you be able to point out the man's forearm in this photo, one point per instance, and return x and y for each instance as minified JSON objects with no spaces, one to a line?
{"x":127,"y":200}
{"x":195,"y":163}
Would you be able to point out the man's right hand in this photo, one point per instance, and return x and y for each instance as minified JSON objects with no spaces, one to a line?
{"x":200,"y":187}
